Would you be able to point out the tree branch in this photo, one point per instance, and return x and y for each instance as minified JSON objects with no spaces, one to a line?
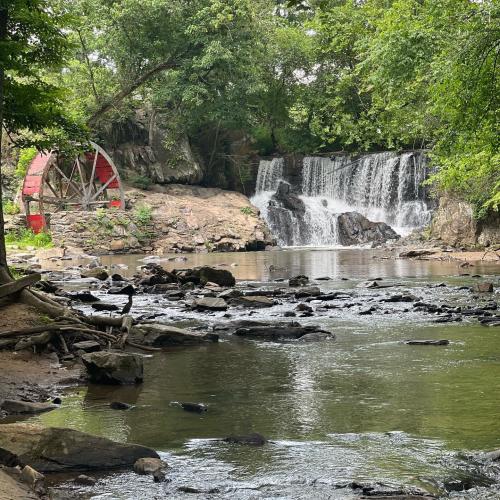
{"x":119,"y":96}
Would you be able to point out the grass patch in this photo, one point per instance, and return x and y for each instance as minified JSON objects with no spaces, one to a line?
{"x":27,"y":238}
{"x":10,"y":208}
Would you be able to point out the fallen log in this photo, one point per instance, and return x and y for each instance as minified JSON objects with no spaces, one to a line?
{"x":143,"y":347}
{"x":103,"y":320}
{"x":56,"y":327}
{"x":18,"y":285}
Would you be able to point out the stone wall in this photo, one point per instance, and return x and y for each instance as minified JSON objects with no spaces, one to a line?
{"x":454,"y":224}
{"x":183,"y":219}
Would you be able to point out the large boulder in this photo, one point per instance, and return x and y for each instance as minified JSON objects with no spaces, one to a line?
{"x":158,"y":335}
{"x":221,"y":277}
{"x":55,"y":449}
{"x":356,"y":229}
{"x":114,"y":367}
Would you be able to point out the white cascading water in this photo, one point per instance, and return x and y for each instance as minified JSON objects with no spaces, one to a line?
{"x":384,"y":187}
{"x":268,"y":178}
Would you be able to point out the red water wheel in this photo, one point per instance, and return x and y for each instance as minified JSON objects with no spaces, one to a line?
{"x":54,"y":183}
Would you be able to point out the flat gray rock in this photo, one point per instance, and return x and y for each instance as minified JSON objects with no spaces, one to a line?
{"x":13,"y":406}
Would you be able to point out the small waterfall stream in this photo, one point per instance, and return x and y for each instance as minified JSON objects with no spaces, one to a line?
{"x":383,"y":187}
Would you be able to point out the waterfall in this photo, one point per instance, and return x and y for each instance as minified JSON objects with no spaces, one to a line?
{"x":383,"y":187}
{"x":269,"y":175}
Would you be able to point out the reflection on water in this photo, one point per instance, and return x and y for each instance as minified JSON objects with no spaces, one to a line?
{"x":365,"y":407}
{"x":265,"y":266}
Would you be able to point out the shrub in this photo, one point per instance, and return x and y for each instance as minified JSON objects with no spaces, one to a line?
{"x":143,"y":214}
{"x":10,"y":208}
{"x":246,"y":210}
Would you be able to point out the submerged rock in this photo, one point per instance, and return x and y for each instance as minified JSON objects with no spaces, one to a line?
{"x":84,"y":297}
{"x":427,"y":342}
{"x":281,"y":331}
{"x":254,"y":439}
{"x":101,"y":306}
{"x":194,"y":407}
{"x":310,"y":291}
{"x":55,"y":449}
{"x":84,"y":480}
{"x":118,"y":405}
{"x":114,"y":367}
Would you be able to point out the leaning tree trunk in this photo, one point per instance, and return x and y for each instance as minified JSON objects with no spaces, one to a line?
{"x":5,"y":275}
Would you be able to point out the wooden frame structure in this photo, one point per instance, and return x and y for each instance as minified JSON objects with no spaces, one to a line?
{"x":54,"y":183}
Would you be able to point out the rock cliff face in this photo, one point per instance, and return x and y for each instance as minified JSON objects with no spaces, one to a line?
{"x":139,"y":149}
{"x":454,"y":224}
{"x":175,"y":218}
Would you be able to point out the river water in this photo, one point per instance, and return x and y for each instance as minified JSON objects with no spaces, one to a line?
{"x":364,"y":407}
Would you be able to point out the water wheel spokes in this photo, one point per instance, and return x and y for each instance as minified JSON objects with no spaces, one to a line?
{"x":54,"y":182}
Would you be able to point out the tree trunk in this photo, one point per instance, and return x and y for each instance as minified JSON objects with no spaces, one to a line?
{"x":119,"y":96}
{"x":5,"y":275}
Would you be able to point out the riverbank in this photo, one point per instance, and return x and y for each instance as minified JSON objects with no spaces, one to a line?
{"x":25,"y":375}
{"x":172,"y":218}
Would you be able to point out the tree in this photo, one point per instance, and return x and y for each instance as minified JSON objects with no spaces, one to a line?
{"x":31,"y":44}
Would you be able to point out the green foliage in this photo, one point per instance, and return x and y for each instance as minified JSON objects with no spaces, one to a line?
{"x":26,"y":156}
{"x":143,"y":215}
{"x":10,"y":208}
{"x":247,"y":210}
{"x":279,"y":76}
{"x":34,"y":109}
{"x":27,"y":238}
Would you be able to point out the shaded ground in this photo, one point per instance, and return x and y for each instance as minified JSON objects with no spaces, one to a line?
{"x":12,"y":489}
{"x":24,"y":374}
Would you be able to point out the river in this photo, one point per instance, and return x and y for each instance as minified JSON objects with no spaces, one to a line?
{"x":364,"y":407}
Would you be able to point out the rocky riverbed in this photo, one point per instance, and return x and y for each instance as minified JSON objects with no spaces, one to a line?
{"x":293,"y":307}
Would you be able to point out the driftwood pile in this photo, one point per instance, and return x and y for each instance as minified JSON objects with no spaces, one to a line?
{"x":67,"y":328}
{"x":64,"y":331}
